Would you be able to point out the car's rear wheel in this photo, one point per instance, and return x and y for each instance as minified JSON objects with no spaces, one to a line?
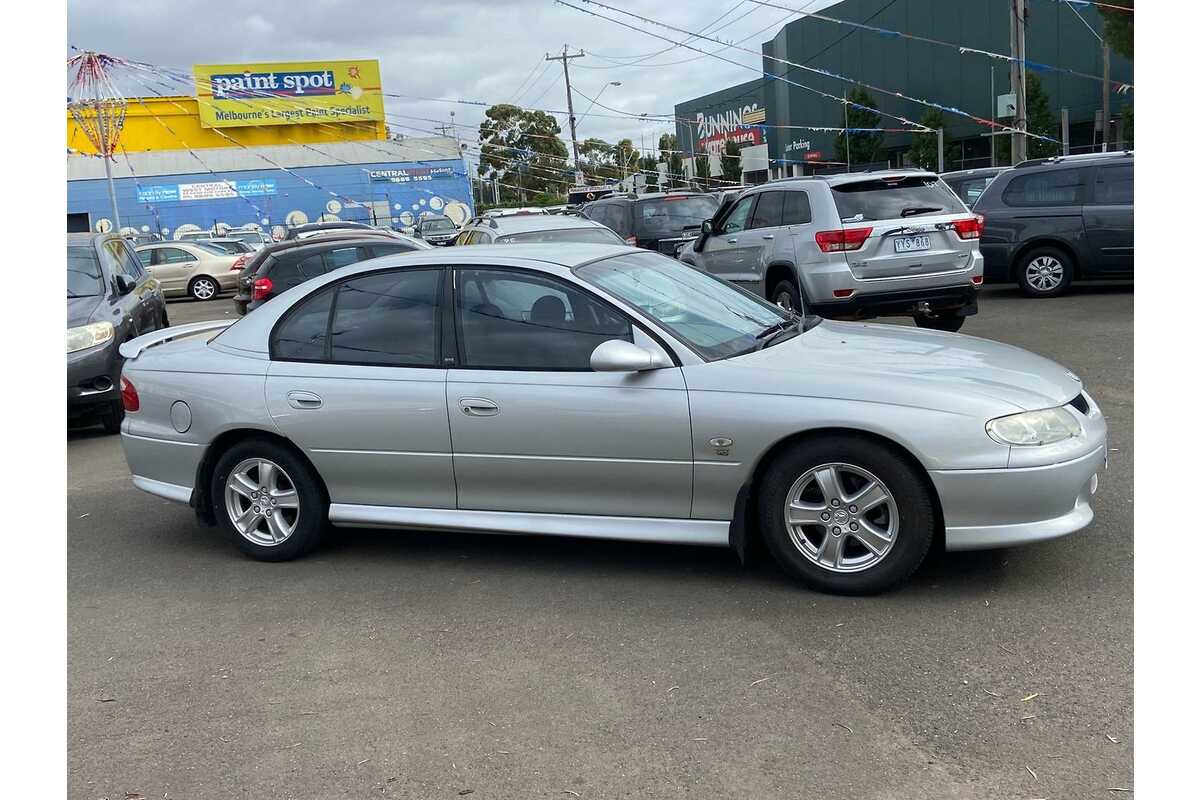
{"x":786,"y":296}
{"x":1045,"y":272}
{"x":268,"y":500}
{"x":203,"y":288}
{"x":943,"y":321}
{"x":845,"y":514}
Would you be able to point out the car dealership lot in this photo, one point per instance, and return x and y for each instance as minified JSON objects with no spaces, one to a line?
{"x":426,"y":665}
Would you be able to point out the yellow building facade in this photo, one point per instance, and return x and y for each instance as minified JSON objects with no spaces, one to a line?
{"x":173,"y":123}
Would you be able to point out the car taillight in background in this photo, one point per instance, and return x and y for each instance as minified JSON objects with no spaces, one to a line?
{"x":631,"y":241}
{"x":843,"y":240}
{"x":262,"y":288}
{"x":969,"y":228}
{"x":129,"y":395}
{"x":238,"y":264}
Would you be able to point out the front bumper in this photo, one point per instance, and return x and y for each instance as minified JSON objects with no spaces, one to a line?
{"x":987,"y":508}
{"x":93,"y":378}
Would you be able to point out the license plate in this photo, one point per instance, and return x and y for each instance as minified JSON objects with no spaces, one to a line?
{"x":911,"y":244}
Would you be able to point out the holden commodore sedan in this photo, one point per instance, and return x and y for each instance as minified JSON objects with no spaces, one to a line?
{"x":601,"y":391}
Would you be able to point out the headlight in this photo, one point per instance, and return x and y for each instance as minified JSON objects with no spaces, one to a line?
{"x":86,"y":336}
{"x":1032,"y":428}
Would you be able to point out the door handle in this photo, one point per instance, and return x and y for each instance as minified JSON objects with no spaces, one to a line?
{"x":478,"y":407}
{"x":768,"y":236}
{"x":303,"y":400}
{"x":731,"y":241}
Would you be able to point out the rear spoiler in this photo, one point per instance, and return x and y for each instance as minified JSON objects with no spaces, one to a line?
{"x":135,"y":347}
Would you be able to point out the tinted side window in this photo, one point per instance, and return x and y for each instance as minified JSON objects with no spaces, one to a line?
{"x":1061,"y":187}
{"x":796,"y":210}
{"x":737,"y":218}
{"x":1114,"y":185}
{"x":769,"y":211}
{"x":389,"y":249}
{"x":293,"y":271}
{"x":343,"y":256}
{"x":303,"y":333}
{"x":387,"y":318}
{"x":515,"y":320}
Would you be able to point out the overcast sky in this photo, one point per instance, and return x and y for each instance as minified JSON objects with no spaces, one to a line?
{"x":464,"y":49}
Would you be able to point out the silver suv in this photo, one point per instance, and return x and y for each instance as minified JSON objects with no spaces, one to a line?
{"x":859,"y":245}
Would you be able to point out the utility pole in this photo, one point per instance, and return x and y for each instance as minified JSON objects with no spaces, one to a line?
{"x":564,"y":58}
{"x":1066,"y":131}
{"x":846,"y":132}
{"x":992,"y":103}
{"x":941,"y":152}
{"x":1105,"y":109}
{"x":1017,"y":79}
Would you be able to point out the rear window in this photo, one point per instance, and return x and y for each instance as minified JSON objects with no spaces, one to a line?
{"x":586,"y":235}
{"x":670,"y":215}
{"x":864,"y":201}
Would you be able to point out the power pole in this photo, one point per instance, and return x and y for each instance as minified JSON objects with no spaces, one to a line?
{"x":941,"y":152}
{"x":1105,"y":109}
{"x":1017,"y":78}
{"x":1066,"y":131}
{"x":564,"y":58}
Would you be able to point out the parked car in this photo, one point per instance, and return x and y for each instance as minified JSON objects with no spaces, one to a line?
{"x":111,"y":299}
{"x":512,"y":212}
{"x":856,"y":246}
{"x":189,"y":269}
{"x":603,"y":391}
{"x":302,"y":231}
{"x":969,"y":184}
{"x":662,"y":221}
{"x":135,"y":239}
{"x":535,"y":228}
{"x":437,"y":230}
{"x":254,"y":239}
{"x":193,"y":236}
{"x":234,"y":247}
{"x":1052,"y":221}
{"x":284,"y":267}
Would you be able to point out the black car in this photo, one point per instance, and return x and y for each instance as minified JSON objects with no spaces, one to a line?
{"x":301,"y":231}
{"x":662,"y":221}
{"x":1050,"y":221}
{"x":436,"y":230}
{"x":281,"y":266}
{"x":969,"y":184}
{"x":111,"y":298}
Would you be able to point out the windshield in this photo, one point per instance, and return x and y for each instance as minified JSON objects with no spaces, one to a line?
{"x":667,"y":216}
{"x":84,"y":278}
{"x":714,"y":318}
{"x":586,"y":235}
{"x":246,"y":237}
{"x":194,"y":235}
{"x":437,"y":225}
{"x":891,"y":198}
{"x":210,"y":247}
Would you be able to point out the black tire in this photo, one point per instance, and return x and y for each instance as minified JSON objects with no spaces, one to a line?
{"x":945,"y":321}
{"x":313,"y":512}
{"x":915,"y":515}
{"x":198,"y":288}
{"x":164,"y":322}
{"x":1049,"y":258}
{"x":787,"y":296}
{"x":112,"y":417}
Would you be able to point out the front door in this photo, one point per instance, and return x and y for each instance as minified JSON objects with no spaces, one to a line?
{"x":535,"y":429}
{"x":355,"y":380}
{"x":725,"y":251}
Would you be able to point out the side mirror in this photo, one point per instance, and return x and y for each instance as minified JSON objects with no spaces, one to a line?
{"x":706,"y":227}
{"x":125,"y":284}
{"x":618,"y":355}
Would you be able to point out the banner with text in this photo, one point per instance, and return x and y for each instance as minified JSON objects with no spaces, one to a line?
{"x":288,"y":93}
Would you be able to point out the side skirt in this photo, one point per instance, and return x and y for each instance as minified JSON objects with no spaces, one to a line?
{"x":713,"y":533}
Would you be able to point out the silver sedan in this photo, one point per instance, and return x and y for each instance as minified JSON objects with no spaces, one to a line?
{"x":602,"y":391}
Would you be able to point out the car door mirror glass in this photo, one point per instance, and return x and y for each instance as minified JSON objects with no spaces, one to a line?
{"x":618,"y":355}
{"x":125,"y":284}
{"x":706,"y":227}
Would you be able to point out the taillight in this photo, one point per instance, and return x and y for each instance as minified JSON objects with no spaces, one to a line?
{"x":839,"y":293}
{"x":843,"y":240}
{"x":977,"y":280}
{"x":971,"y":228}
{"x":238,"y":264}
{"x":631,"y":241}
{"x":262,"y":288}
{"x":129,"y":395}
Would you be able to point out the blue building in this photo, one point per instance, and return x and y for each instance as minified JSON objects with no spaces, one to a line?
{"x":272,"y":187}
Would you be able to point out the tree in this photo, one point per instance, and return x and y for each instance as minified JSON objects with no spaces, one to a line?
{"x":521,"y":148}
{"x":1038,"y":119}
{"x":703,"y":170}
{"x":731,"y":162}
{"x":626,"y":157}
{"x":649,"y":167}
{"x":923,"y":152}
{"x":1118,"y":27}
{"x":865,"y":148}
{"x":597,"y":159}
{"x":668,"y":149}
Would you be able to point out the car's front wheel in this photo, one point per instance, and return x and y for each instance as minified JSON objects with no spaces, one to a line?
{"x":268,"y":500}
{"x":203,"y":288}
{"x":943,"y":321}
{"x":845,"y":514}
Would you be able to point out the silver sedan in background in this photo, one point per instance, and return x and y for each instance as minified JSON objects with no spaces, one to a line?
{"x":190,"y":269}
{"x":603,"y":391}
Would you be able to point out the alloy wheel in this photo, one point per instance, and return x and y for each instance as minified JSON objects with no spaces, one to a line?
{"x":784,"y":301}
{"x":203,"y":289}
{"x":1044,"y":273}
{"x":262,"y":502}
{"x":841,"y":517}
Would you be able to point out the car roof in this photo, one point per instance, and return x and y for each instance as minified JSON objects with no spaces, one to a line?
{"x":334,"y":242}
{"x":535,"y":222}
{"x":86,"y":237}
{"x":976,"y":172}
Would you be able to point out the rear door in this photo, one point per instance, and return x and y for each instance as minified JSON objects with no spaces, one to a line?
{"x":172,"y":266}
{"x":1108,"y":219}
{"x":900,"y":226}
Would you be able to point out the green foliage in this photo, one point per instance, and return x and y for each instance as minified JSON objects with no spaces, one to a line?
{"x":1127,"y":120}
{"x":1038,"y":119}
{"x":1118,"y":28}
{"x":923,"y":152}
{"x":731,"y":162}
{"x":865,"y":148}
{"x":703,"y":170}
{"x":668,"y":150}
{"x":521,"y":148}
{"x":649,"y":166}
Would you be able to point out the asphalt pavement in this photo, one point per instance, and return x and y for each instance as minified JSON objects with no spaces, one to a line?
{"x":427,"y":665}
